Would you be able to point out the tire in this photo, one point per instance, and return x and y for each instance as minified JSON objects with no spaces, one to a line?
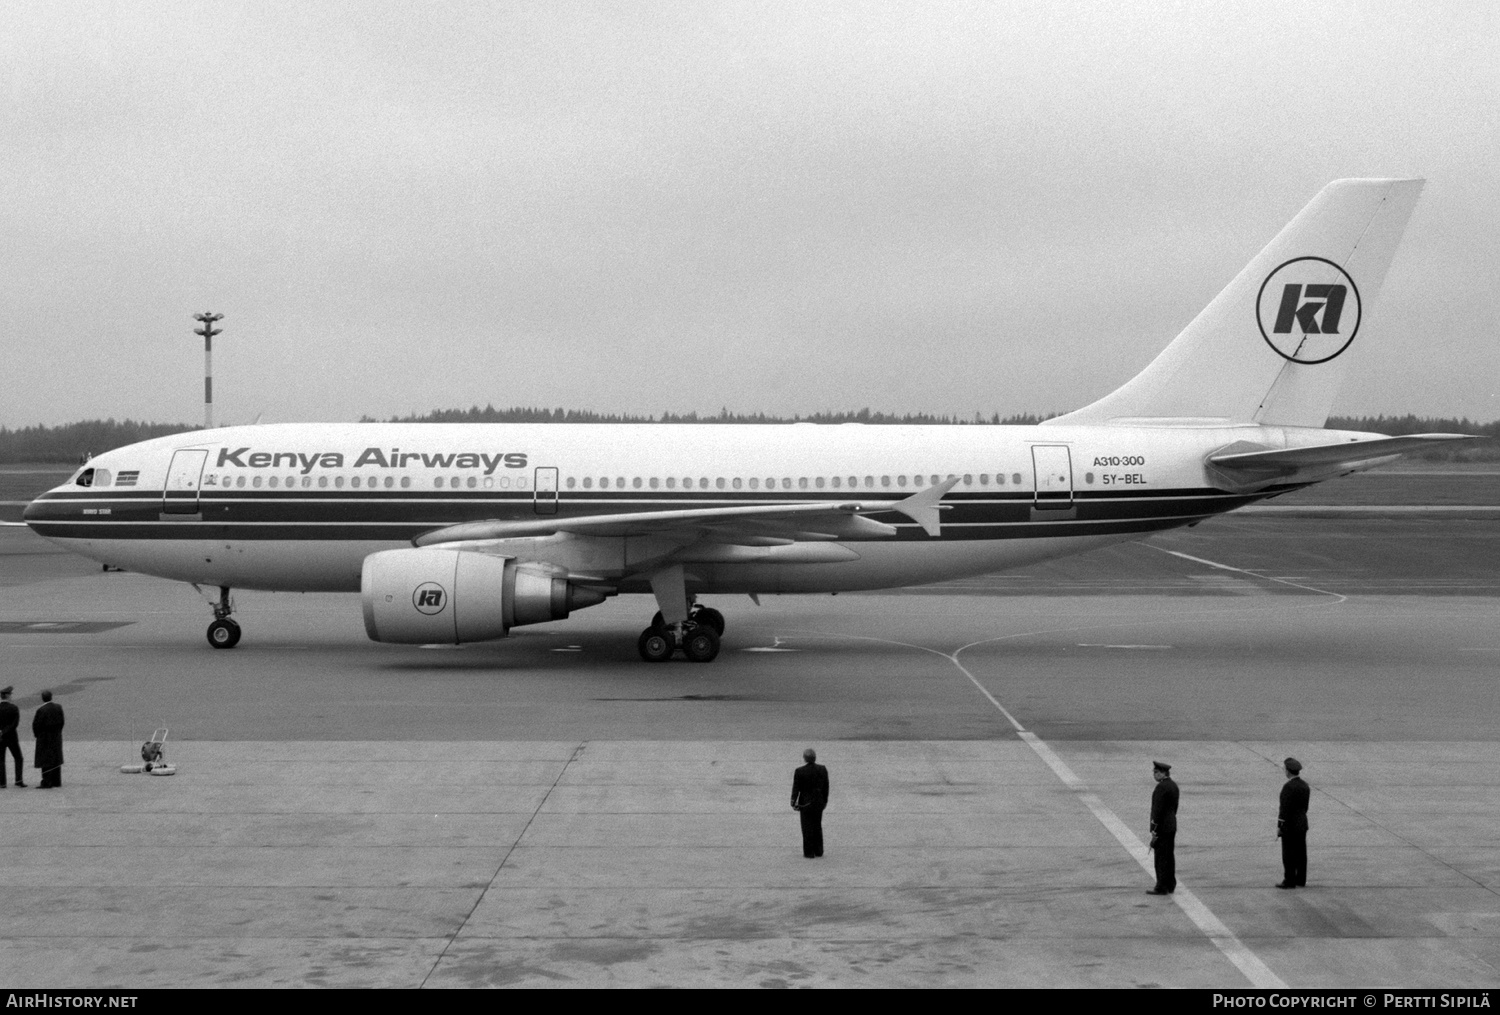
{"x":656,"y":645}
{"x":701,"y":644}
{"x":223,"y":634}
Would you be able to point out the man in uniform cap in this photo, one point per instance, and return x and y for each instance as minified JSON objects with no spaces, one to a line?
{"x":1291,"y":826}
{"x":47,"y":727}
{"x":1164,"y":828}
{"x":10,"y":740}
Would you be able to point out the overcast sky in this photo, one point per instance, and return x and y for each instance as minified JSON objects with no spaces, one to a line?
{"x":940,"y":207}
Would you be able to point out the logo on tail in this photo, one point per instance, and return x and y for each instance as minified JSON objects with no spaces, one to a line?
{"x":1312,"y":308}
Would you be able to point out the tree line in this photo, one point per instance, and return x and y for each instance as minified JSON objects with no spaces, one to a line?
{"x":69,"y":442}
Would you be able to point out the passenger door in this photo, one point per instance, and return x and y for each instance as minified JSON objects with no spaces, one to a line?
{"x":180,"y":497}
{"x":544,"y":492}
{"x":1053,"y":467}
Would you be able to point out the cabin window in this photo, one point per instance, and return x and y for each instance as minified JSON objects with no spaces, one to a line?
{"x":1016,"y":479}
{"x":438,"y":482}
{"x":636,"y":482}
{"x":869,"y":481}
{"x":354,"y":482}
{"x":505,"y":482}
{"x":239,"y":481}
{"x":885,"y":480}
{"x":984,"y":479}
{"x":390,"y":481}
{"x":836,"y":482}
{"x":323,"y":481}
{"x":900,"y":480}
{"x":736,"y":482}
{"x":520,"y":482}
{"x":719,"y":482}
{"x":571,"y":483}
{"x":619,"y":482}
{"x":936,"y":480}
{"x":916,"y":480}
{"x":291,"y":481}
{"x":786,"y":482}
{"x":802,"y":483}
{"x":655,"y":482}
{"x":671,"y":483}
{"x":273,"y":481}
{"x":473,"y":482}
{"x":968,"y":479}
{"x":338,"y":481}
{"x":703,"y":483}
{"x":1088,"y":477}
{"x":754,"y":483}
{"x":818,"y":482}
{"x":588,"y":482}
{"x":405,"y":482}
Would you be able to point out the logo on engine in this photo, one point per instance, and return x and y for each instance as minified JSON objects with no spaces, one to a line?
{"x":430,"y":598}
{"x":1308,"y":310}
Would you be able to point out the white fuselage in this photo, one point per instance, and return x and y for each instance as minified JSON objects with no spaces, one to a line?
{"x":299,"y":507}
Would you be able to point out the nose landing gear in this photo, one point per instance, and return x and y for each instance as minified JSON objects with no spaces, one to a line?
{"x":223,"y":632}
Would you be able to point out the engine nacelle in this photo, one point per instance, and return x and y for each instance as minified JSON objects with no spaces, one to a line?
{"x":424,"y":596}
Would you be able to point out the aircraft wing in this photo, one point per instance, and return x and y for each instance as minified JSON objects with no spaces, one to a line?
{"x":1242,"y":468}
{"x":754,"y":524}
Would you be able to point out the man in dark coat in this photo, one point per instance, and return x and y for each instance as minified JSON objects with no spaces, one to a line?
{"x":1164,"y":828}
{"x":809,"y":797}
{"x":1291,"y":826}
{"x":47,"y":727}
{"x":10,"y":740}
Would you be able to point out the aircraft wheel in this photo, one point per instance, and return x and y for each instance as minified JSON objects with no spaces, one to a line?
{"x":701,"y":644}
{"x":711,"y":617}
{"x":656,"y":645}
{"x":224,"y":634}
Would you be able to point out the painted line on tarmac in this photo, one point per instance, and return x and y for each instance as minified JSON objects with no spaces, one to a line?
{"x":1240,"y":570}
{"x":577,"y":752}
{"x":1247,"y":962}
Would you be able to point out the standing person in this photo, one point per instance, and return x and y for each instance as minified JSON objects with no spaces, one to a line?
{"x":47,"y":727}
{"x":809,"y":797}
{"x":1164,"y":828}
{"x":10,"y":740}
{"x":1291,"y":826}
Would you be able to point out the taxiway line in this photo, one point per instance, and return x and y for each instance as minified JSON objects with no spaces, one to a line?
{"x":1246,"y":961}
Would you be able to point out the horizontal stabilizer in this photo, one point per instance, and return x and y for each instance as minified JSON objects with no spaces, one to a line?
{"x":1246,"y":469}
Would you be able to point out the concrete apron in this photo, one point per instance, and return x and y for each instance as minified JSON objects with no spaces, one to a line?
{"x":949,"y":863}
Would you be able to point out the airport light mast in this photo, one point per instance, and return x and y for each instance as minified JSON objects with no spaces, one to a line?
{"x":208,"y":331}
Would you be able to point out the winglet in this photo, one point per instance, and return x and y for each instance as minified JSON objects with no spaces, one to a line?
{"x":923,"y":508}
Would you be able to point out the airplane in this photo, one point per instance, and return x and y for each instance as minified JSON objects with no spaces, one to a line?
{"x":458,"y":533}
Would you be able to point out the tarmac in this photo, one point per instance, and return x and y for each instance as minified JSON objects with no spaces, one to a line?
{"x":551,"y":811}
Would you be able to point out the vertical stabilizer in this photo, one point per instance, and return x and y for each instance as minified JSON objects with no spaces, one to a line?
{"x":1273,"y":347}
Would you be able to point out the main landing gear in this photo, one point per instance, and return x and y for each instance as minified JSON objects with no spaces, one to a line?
{"x":223,"y":632}
{"x":698,"y":637}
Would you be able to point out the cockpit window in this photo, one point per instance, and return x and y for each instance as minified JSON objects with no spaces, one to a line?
{"x":101,"y":477}
{"x":85,"y":478}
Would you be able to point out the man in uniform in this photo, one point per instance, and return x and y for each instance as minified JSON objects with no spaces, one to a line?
{"x":47,"y":727}
{"x":1164,"y":828}
{"x":1291,"y":826}
{"x":10,"y":740}
{"x":809,"y":797}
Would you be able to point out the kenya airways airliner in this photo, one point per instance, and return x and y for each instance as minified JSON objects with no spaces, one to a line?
{"x":457,"y":533}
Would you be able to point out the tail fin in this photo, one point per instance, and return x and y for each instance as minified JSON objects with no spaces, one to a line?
{"x":1274,"y":345}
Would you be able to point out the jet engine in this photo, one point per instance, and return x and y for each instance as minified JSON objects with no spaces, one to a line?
{"x":422,"y":596}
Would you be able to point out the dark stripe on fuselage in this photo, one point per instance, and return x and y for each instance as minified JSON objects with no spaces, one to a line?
{"x":399,"y":515}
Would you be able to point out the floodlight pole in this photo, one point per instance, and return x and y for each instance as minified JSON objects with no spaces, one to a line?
{"x":208,"y":331}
